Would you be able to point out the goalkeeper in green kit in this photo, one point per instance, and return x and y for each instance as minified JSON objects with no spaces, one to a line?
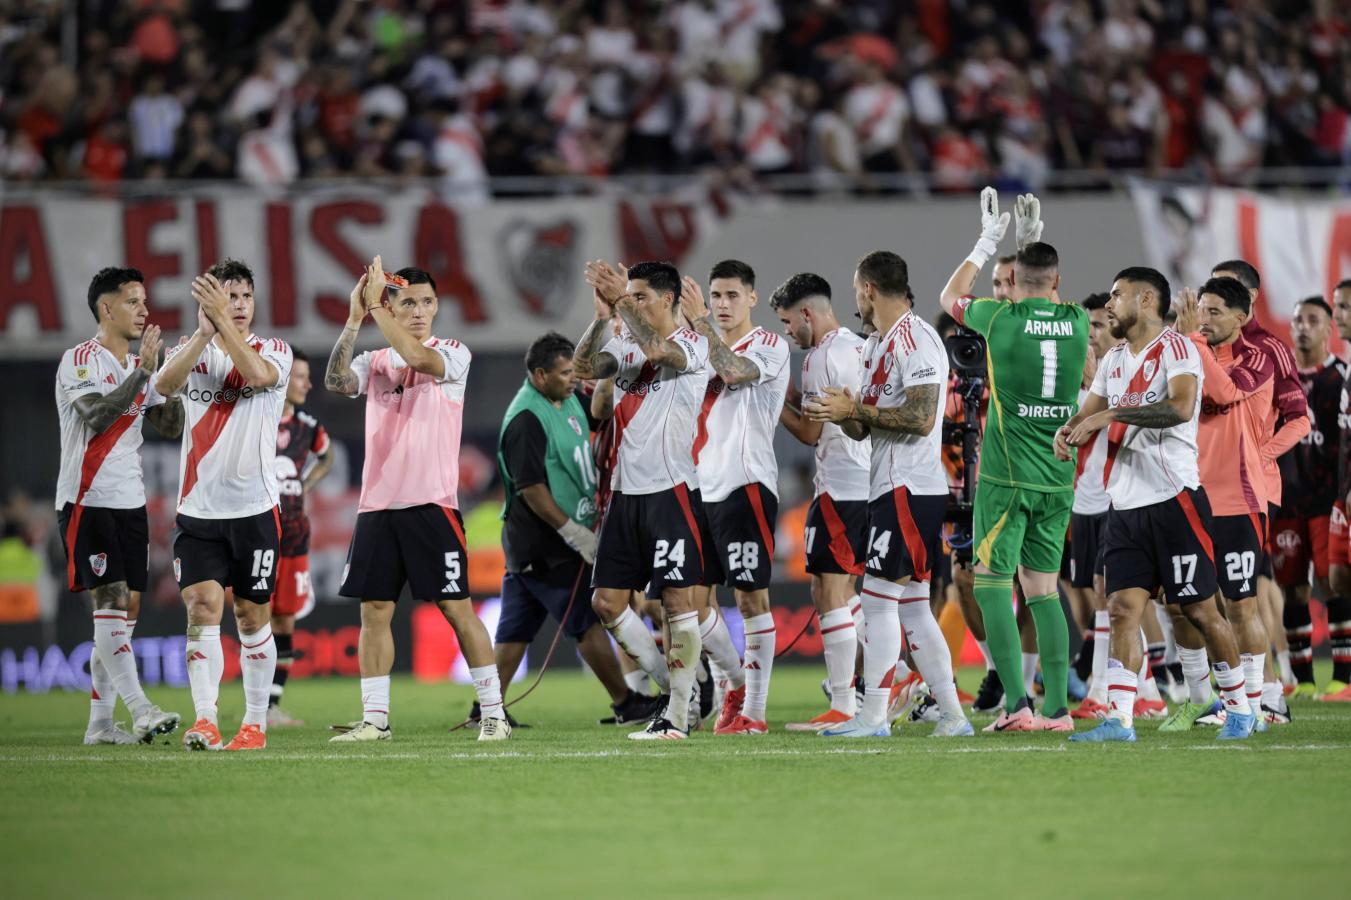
{"x":1035,"y":352}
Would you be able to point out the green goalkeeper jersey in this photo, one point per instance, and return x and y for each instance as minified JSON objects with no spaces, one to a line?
{"x":1035,"y":351}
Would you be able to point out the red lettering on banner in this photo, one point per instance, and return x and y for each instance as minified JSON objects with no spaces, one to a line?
{"x":437,"y":249}
{"x":326,"y":652}
{"x":656,"y":230}
{"x":138,"y":221}
{"x":281,"y":266}
{"x":22,"y":238}
{"x":325,"y":225}
{"x":208,"y":247}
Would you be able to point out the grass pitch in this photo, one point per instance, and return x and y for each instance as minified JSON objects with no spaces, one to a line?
{"x":568,"y":808}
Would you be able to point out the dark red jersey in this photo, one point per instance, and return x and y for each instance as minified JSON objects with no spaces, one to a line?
{"x":1311,"y":469}
{"x":298,"y":436}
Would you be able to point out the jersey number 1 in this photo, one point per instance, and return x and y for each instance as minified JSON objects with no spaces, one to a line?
{"x":1048,"y":361}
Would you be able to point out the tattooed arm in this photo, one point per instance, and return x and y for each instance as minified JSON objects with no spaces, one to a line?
{"x":101,"y":410}
{"x":915,"y":416}
{"x":168,"y":417}
{"x":589,"y":360}
{"x":731,"y":368}
{"x":1172,"y":410}
{"x":340,"y":379}
{"x":655,"y":347}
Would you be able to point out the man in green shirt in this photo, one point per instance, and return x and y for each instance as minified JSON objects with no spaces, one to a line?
{"x":549,"y":479}
{"x":1035,"y":352}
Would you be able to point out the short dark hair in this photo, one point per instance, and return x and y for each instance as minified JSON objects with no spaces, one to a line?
{"x":1319,"y":302}
{"x":1037,"y":261}
{"x":109,"y":280}
{"x":231,"y":270}
{"x":1152,"y":277}
{"x":733,"y":268}
{"x":798,"y":288}
{"x":1006,"y":259}
{"x":1343,"y":285}
{"x":662,"y":277}
{"x":1231,"y":291}
{"x":414,"y":275}
{"x":545,"y":350}
{"x":944,"y":323}
{"x":298,"y":355}
{"x":1245,"y":272}
{"x":886,"y":270}
{"x":1094,"y":301}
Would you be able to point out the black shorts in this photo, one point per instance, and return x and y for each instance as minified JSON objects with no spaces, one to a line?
{"x":650,"y":538}
{"x":239,"y":554}
{"x":905,"y":533}
{"x":527,"y":599}
{"x":836,"y":533}
{"x":1085,"y":548}
{"x":742,"y":528}
{"x":105,"y":546}
{"x":1266,"y":567}
{"x":1166,"y":545}
{"x":1238,"y":554}
{"x":419,"y":546}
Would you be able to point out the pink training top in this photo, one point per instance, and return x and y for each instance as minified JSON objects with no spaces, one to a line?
{"x":413,"y":424}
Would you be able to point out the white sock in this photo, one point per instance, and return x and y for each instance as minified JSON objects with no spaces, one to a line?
{"x":1253,"y":663}
{"x":1231,"y":684}
{"x":375,"y":700}
{"x":1121,"y":693}
{"x":856,"y":611}
{"x":839,"y":639}
{"x":102,"y":694}
{"x":928,"y":647}
{"x":683,"y":662}
{"x":1287,"y":675}
{"x":1102,"y":639}
{"x":1196,"y":672}
{"x":257,"y":666}
{"x":1030,"y":675}
{"x":112,"y":643}
{"x":882,"y":647}
{"x":1272,"y":692}
{"x":722,"y":655}
{"x":760,"y":643}
{"x":206,"y":664}
{"x":637,"y":681}
{"x":985,"y":654}
{"x":636,"y":639}
{"x":488,"y":687}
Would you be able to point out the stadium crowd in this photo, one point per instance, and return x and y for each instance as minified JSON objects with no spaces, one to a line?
{"x":838,"y":92}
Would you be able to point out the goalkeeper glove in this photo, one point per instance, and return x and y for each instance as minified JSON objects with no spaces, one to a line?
{"x":992,"y":228}
{"x":579,"y":538}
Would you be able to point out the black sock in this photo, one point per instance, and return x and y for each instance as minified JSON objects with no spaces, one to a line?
{"x":1156,"y":654}
{"x":1299,"y":635}
{"x":1339,"y":633}
{"x":285,"y":656}
{"x":1083,"y":663}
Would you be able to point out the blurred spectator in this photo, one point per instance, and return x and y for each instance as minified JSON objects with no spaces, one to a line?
{"x":155,"y":117}
{"x":848,"y":92}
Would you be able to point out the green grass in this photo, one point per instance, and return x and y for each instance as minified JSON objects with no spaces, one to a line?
{"x":571,"y":809}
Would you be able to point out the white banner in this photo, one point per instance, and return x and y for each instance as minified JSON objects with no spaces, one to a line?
{"x":1300,"y":246}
